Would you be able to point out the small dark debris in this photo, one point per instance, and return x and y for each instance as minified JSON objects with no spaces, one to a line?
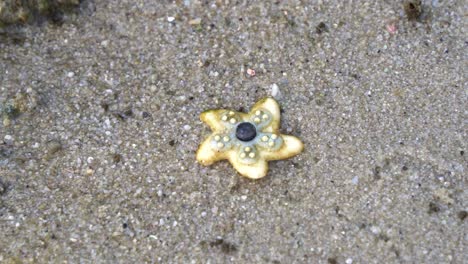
{"x":462,"y":152}
{"x":296,"y":165}
{"x":291,"y":22}
{"x":233,"y":188}
{"x":57,"y":17}
{"x":462,"y":215}
{"x":319,"y":99}
{"x":404,"y":168}
{"x":12,"y":111}
{"x":105,"y":106}
{"x":53,"y":147}
{"x":145,"y":114}
{"x":226,"y":247}
{"x":413,"y":9}
{"x":241,"y":109}
{"x":337,"y":211}
{"x":170,"y":92}
{"x":5,"y":151}
{"x":31,"y":12}
{"x":123,"y":115}
{"x":116,"y":158}
{"x":191,"y":98}
{"x":172,"y":142}
{"x":128,"y":112}
{"x":321,"y":28}
{"x":376,"y":173}
{"x":332,"y":261}
{"x":384,"y":237}
{"x":124,"y":225}
{"x":206,"y":63}
{"x":396,"y":251}
{"x":433,"y":208}
{"x":3,"y":187}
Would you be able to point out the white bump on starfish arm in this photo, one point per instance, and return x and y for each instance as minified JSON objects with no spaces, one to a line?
{"x":269,"y":104}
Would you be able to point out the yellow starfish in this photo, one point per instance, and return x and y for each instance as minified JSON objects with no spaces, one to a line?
{"x":248,"y":141}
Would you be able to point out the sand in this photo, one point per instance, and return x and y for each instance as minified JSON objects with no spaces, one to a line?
{"x":101,"y":123}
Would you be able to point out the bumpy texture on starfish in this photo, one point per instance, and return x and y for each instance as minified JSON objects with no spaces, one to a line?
{"x":248,"y":141}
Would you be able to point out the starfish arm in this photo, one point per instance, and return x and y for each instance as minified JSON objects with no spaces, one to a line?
{"x":206,"y":155}
{"x":291,"y":146}
{"x":255,"y":170}
{"x":269,"y":104}
{"x":213,"y":119}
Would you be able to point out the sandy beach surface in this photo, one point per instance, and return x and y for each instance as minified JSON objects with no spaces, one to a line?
{"x":100,"y":125}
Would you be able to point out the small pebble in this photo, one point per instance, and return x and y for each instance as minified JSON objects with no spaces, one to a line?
{"x":251,"y":72}
{"x":170,"y":19}
{"x":375,"y":229}
{"x":187,"y":127}
{"x":349,"y":261}
{"x":391,"y":27}
{"x":275,"y":91}
{"x":8,"y":139}
{"x":70,"y":74}
{"x":105,"y":43}
{"x":195,"y":22}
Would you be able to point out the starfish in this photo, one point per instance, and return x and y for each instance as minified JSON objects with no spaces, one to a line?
{"x":247,"y":140}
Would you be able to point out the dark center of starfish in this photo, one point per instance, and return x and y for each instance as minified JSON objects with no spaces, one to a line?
{"x":246,"y":131}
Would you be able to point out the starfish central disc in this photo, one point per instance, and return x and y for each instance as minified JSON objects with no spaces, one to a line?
{"x":246,"y":131}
